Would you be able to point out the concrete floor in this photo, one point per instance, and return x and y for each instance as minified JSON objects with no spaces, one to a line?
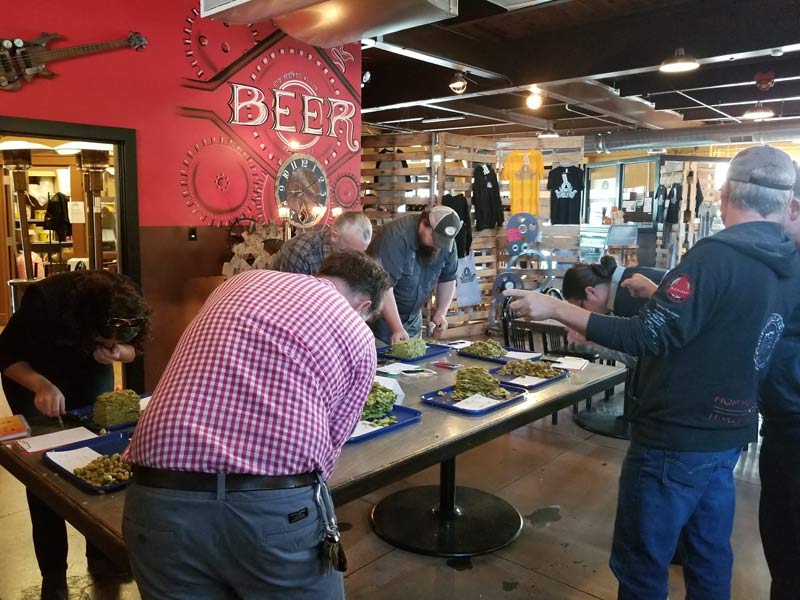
{"x":561,"y":478}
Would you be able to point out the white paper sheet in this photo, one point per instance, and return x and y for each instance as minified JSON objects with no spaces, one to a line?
{"x":73,"y":459}
{"x":522,"y":355}
{"x":52,"y":440}
{"x":476,"y":402}
{"x":571,"y":363}
{"x":364,"y":427}
{"x":527,"y":380}
{"x":76,"y":211}
{"x":457,"y":344}
{"x":397,"y":368}
{"x":143,"y":402}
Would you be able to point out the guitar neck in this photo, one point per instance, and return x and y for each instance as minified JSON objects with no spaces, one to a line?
{"x":45,"y":55}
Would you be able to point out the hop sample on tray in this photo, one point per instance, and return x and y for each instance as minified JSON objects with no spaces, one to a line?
{"x":413,"y":348}
{"x":488,"y":348}
{"x":477,"y":380}
{"x":112,"y":408}
{"x":523,"y":368}
{"x":379,"y":404}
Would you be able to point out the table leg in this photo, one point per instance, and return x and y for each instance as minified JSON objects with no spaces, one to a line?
{"x":446,"y":520}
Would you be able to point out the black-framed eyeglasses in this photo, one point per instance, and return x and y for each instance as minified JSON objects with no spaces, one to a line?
{"x":119,"y":322}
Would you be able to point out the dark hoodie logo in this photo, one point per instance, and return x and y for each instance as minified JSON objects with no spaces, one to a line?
{"x":680,"y":289}
{"x":770,"y":334}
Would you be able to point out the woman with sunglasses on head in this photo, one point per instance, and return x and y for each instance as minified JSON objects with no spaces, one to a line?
{"x":56,"y":354}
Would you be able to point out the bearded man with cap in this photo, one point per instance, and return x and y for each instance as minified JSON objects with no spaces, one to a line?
{"x":418,"y":252}
{"x":706,"y":338}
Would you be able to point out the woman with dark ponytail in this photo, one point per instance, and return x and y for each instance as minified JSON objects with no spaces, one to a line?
{"x":596,"y":287}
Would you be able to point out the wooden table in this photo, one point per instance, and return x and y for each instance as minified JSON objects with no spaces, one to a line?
{"x":362,"y":468}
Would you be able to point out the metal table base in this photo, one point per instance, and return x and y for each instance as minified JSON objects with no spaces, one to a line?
{"x":611,"y":422}
{"x":446,"y":520}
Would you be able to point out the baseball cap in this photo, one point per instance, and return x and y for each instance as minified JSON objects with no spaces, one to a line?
{"x":446,"y":225}
{"x":748,"y":160}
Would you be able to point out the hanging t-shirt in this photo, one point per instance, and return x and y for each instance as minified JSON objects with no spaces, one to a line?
{"x":566,"y":192}
{"x":523,"y":171}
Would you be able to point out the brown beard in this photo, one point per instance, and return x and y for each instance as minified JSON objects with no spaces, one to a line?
{"x":427,"y":254}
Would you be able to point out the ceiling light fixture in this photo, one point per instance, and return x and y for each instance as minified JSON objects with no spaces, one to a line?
{"x":548,"y":134}
{"x":680,"y":63}
{"x":366,"y":78}
{"x":459,"y":84}
{"x":443,"y":119}
{"x":534,"y":100}
{"x":758,"y":112}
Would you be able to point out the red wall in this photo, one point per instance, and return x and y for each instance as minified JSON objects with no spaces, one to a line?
{"x":194,"y":167}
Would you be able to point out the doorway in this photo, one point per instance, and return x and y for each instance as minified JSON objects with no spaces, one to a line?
{"x":90,"y":169}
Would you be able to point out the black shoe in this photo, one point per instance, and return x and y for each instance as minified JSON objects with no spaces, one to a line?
{"x":54,"y":587}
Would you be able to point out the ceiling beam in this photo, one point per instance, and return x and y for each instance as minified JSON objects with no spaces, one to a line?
{"x":736,"y":74}
{"x":721,"y":97}
{"x":605,"y":52}
{"x":504,"y":116}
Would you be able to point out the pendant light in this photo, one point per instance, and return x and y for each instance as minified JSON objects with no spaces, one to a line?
{"x":758,"y":112}
{"x":680,"y":63}
{"x":548,"y":134}
{"x":459,"y":84}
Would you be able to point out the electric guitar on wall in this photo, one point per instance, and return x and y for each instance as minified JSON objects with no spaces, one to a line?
{"x":26,"y":60}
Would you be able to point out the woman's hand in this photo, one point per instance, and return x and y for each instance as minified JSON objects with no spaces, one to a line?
{"x":48,"y":399}
{"x":107,"y":354}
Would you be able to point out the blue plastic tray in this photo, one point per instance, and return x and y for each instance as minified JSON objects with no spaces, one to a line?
{"x":403,"y":414}
{"x":431,"y":350}
{"x":507,"y":379}
{"x":85,"y":416}
{"x":502,"y":359}
{"x":446,"y":401}
{"x":113,"y":443}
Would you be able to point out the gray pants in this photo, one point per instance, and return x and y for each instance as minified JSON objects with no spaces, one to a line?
{"x":248,"y":545}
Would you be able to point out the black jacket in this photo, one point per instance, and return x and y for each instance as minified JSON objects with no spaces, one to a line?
{"x":780,"y":394}
{"x":486,"y":198}
{"x":706,"y":337}
{"x":464,"y":235}
{"x":41,"y":334}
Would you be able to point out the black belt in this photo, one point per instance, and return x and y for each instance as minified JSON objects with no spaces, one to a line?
{"x":207,"y":482}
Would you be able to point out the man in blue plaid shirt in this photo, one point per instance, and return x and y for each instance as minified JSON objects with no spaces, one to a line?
{"x":304,"y":254}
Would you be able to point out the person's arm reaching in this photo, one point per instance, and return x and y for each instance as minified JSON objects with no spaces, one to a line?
{"x":674,"y":315}
{"x":444,"y":296}
{"x":391,"y":315}
{"x":48,"y":398}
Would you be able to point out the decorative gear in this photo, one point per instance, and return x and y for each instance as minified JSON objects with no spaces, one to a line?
{"x":506,"y":281}
{"x":221,"y":182}
{"x":210,"y":45}
{"x":522,"y":232}
{"x":346,"y":190}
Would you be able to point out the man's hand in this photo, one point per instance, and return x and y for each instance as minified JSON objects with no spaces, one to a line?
{"x":48,"y":399}
{"x":441,"y":325}
{"x":106,"y":355}
{"x":533,"y":305}
{"x":573,"y":337}
{"x":399,"y":336}
{"x":639,"y":286}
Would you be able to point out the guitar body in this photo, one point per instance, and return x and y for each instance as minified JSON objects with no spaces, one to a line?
{"x":21,"y":60}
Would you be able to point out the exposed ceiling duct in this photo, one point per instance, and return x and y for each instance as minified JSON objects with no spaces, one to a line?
{"x":329,"y":23}
{"x":711,"y":135}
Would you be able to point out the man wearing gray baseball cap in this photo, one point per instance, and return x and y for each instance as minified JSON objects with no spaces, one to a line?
{"x":418,"y":252}
{"x":705,"y":339}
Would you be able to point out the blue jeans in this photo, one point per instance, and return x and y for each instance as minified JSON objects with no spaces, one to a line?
{"x":664,"y":492}
{"x":239,"y":545}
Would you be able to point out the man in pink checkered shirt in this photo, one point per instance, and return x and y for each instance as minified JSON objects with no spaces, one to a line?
{"x":263,"y":389}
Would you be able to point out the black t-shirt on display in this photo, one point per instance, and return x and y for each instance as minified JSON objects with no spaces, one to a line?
{"x":566,"y":191}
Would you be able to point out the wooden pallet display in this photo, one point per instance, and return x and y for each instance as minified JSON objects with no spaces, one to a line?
{"x":385,"y":189}
{"x":457,"y":156}
{"x":554,"y":150}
